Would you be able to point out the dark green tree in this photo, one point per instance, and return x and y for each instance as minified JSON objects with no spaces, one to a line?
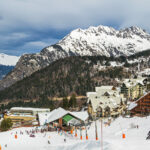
{"x":6,"y":124}
{"x":51,"y":103}
{"x":65,"y":103}
{"x":73,"y":101}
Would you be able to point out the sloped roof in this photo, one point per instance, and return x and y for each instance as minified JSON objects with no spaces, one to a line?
{"x":82,"y":115}
{"x":103,"y":88}
{"x":43,"y":118}
{"x":104,"y":101}
{"x":56,"y":114}
{"x":90,"y":93}
{"x":60,"y":113}
{"x":132,"y":105}
{"x":67,"y":118}
{"x":133,"y":82}
{"x":29,"y":109}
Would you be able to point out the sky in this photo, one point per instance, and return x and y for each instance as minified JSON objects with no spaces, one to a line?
{"x":27,"y":26}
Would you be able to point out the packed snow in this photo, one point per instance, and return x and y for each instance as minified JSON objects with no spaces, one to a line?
{"x":8,"y":60}
{"x":135,"y":130}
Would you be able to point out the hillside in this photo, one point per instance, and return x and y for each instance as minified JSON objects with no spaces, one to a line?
{"x":94,"y":41}
{"x":76,"y":74}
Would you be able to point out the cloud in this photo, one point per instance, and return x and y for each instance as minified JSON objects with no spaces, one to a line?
{"x":61,"y":14}
{"x":24,"y":46}
{"x":38,"y":45}
{"x":34,"y":21}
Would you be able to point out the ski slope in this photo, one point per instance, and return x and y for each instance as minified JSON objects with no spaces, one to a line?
{"x":112,"y":137}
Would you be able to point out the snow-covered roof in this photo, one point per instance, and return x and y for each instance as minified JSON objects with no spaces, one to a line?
{"x":29,"y":109}
{"x":59,"y":113}
{"x":103,"y":88}
{"x":74,"y":121}
{"x":43,"y":118}
{"x":132,"y":105}
{"x":133,"y":82}
{"x":105,"y":96}
{"x":142,"y":96}
{"x":106,"y":101}
{"x":88,"y":94}
{"x":80,"y":115}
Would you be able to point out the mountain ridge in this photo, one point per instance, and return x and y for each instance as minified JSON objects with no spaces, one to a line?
{"x":94,"y":41}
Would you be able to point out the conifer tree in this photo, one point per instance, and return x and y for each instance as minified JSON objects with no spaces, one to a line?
{"x":65,"y":103}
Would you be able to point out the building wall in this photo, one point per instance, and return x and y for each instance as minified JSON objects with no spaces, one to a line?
{"x":90,"y":110}
{"x":132,"y":92}
{"x":19,"y":118}
{"x":27,"y":112}
{"x":143,"y":105}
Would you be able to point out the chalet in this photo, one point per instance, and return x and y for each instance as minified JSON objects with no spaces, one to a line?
{"x":106,"y":101}
{"x":133,"y":88}
{"x":141,"y":106}
{"x":62,"y":118}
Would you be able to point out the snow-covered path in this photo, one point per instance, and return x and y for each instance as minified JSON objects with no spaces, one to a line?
{"x":112,"y":136}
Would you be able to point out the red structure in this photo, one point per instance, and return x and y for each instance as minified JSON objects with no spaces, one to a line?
{"x":60,"y":122}
{"x":143,"y":105}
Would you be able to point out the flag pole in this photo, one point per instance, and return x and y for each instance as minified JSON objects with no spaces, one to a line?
{"x":101,"y":134}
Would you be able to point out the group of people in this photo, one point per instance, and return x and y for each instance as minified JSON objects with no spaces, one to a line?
{"x":38,"y":130}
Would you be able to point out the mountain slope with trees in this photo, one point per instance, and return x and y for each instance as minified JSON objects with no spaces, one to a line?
{"x":94,"y":41}
{"x":75,"y":74}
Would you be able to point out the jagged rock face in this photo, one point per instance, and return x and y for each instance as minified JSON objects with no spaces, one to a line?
{"x":93,"y":41}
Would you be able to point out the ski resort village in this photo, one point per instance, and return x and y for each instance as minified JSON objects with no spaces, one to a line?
{"x":74,"y":75}
{"x":113,"y":118}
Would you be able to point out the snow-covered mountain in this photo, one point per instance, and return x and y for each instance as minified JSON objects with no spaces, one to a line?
{"x":8,"y":60}
{"x":106,"y":41}
{"x":101,"y":40}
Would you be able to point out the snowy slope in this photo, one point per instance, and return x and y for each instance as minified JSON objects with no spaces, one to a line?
{"x":8,"y":60}
{"x":103,"y":40}
{"x":112,"y":137}
{"x":107,"y":41}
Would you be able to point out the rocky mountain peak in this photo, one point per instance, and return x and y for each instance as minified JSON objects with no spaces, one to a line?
{"x":94,"y":41}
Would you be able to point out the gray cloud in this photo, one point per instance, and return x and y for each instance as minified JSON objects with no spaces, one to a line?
{"x":27,"y":19}
{"x":60,"y":14}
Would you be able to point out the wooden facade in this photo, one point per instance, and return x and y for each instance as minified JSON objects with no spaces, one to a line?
{"x":143,"y":105}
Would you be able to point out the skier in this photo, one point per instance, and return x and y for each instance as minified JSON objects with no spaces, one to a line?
{"x":148,"y":138}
